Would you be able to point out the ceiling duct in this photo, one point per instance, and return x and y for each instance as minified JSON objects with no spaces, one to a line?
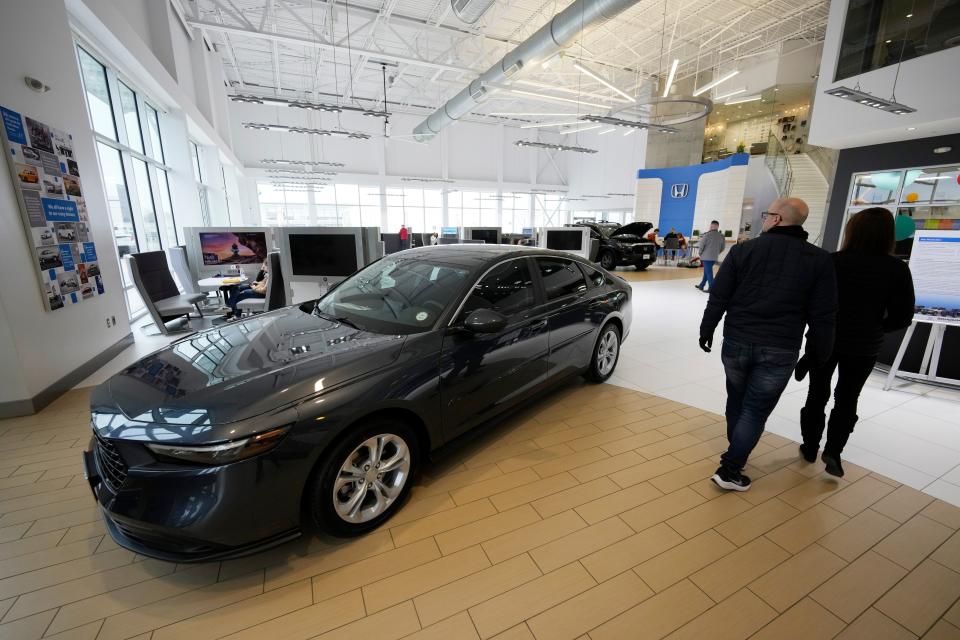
{"x":469,"y":11}
{"x":549,"y":39}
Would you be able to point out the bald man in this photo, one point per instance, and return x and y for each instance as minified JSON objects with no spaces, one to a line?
{"x":770,"y":289}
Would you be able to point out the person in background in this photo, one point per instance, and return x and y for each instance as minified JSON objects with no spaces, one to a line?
{"x":876,"y":297}
{"x":404,"y":237}
{"x":682,"y":243}
{"x":711,"y":245}
{"x":770,"y":288}
{"x":652,"y":236}
{"x":672,"y":234}
{"x":435,"y":238}
{"x":246,"y":291}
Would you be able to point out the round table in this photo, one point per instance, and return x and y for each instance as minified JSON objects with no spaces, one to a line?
{"x":222,"y":283}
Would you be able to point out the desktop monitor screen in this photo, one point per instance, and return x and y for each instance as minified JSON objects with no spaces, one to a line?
{"x":242,"y":247}
{"x":527,"y":231}
{"x":564,"y":240}
{"x":316,"y":254}
{"x":489,"y":236}
{"x":448,"y":232}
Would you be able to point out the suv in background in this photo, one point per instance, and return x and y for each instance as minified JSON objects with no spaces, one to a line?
{"x":622,"y":245}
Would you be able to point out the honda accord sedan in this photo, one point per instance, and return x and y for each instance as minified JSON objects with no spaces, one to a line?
{"x":232,"y":440}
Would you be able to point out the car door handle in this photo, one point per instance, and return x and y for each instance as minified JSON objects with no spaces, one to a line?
{"x":539,"y":324}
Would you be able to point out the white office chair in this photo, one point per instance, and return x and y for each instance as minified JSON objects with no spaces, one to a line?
{"x":275,"y":296}
{"x":177,"y":257}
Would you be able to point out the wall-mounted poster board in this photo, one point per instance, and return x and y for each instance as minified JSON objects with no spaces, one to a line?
{"x":46,"y":179}
{"x":935,"y":266}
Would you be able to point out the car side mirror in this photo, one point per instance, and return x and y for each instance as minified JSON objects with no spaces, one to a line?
{"x":485,"y":321}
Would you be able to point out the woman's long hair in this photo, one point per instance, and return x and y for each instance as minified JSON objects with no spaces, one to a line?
{"x":870,"y":232}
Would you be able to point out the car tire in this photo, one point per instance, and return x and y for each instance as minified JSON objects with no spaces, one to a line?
{"x":330,"y":490}
{"x":642,"y":265}
{"x":607,"y":260}
{"x":606,"y":354}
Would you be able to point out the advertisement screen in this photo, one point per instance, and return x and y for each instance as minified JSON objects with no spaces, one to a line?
{"x":233,"y":248}
{"x":323,"y":254}
{"x":563,"y":240}
{"x":489,"y":236}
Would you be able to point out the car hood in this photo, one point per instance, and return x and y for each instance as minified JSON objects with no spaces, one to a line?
{"x":244,"y":369}
{"x":632,"y":232}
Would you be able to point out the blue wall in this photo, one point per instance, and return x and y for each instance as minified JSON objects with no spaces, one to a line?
{"x":677,"y":213}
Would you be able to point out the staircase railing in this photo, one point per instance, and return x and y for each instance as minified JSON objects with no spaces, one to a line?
{"x":779,"y":165}
{"x":825,"y":159}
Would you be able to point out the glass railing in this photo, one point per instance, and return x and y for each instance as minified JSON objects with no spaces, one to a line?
{"x":779,"y":165}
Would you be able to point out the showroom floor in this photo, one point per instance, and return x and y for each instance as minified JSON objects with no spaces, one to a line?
{"x":589,"y":513}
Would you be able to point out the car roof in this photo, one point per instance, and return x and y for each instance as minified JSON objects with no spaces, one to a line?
{"x":473,"y":256}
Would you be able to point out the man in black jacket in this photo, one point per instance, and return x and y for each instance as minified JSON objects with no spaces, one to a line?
{"x":770,"y":288}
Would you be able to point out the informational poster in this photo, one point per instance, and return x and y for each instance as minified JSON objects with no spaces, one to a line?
{"x":46,"y":179}
{"x":935,"y":265}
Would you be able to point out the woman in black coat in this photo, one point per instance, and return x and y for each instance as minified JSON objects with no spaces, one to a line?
{"x":876,"y":297}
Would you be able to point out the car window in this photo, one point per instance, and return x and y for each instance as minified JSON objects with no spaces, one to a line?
{"x":396,"y":295}
{"x":560,"y":277}
{"x":594,"y":276}
{"x":507,"y":289}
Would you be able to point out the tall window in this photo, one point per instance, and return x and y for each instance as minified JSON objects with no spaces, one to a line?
{"x":130,"y":151}
{"x":549,"y":210}
{"x":516,"y":212}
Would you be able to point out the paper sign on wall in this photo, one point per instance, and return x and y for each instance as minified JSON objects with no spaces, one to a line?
{"x":46,"y":179}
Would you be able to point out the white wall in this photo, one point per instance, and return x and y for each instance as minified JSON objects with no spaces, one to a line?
{"x":613,"y":169}
{"x":720,"y":198}
{"x":928,"y":84}
{"x":35,"y":40}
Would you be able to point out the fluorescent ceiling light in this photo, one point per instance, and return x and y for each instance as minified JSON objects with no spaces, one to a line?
{"x":549,"y":124}
{"x":864,"y":98}
{"x":545,"y":96}
{"x":732,"y":93}
{"x":673,"y":72}
{"x":742,"y":100}
{"x":551,"y":145}
{"x":577,"y":92}
{"x":530,"y":114}
{"x":587,"y":128}
{"x":713,"y":83}
{"x":629,"y":132}
{"x":610,"y":130}
{"x":580,"y":67}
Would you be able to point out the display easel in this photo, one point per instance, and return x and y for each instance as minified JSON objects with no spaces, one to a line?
{"x":931,"y":356}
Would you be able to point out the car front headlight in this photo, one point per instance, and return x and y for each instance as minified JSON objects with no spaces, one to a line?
{"x":223,"y":452}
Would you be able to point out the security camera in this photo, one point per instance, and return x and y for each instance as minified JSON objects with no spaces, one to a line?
{"x":36,"y":85}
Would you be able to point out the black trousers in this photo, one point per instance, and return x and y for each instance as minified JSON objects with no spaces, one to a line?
{"x":852,"y":373}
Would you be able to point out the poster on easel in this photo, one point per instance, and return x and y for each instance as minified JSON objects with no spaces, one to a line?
{"x":46,"y":179}
{"x":935,"y":267}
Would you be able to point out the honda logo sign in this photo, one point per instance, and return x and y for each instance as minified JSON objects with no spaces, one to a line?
{"x":679,"y":190}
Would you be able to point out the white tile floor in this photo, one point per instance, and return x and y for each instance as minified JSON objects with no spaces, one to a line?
{"x":910,"y":433}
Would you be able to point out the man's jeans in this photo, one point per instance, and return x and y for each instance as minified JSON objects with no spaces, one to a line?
{"x":756,"y":376}
{"x":707,"y":273}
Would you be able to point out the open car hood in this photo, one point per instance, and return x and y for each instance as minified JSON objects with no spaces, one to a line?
{"x":633,"y":229}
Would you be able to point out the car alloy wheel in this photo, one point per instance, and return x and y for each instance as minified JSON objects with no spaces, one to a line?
{"x":605,"y":354}
{"x":371,"y":478}
{"x":607,"y":261}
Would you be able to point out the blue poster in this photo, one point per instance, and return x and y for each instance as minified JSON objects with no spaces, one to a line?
{"x":89,"y":252}
{"x":60,"y":210}
{"x":53,"y":274}
{"x":13,"y":124}
{"x":73,"y":298}
{"x":66,"y":258}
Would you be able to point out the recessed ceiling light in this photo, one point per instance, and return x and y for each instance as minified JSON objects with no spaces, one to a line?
{"x":911,"y":128}
{"x":889,"y":41}
{"x":909,"y":15}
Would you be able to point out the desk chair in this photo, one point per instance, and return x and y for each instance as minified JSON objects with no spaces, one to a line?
{"x":275,"y":297}
{"x":162,"y":298}
{"x":181,"y":270}
{"x":671,"y":247}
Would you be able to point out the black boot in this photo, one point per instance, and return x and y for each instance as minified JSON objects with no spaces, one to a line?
{"x":811,"y":427}
{"x":838,"y":432}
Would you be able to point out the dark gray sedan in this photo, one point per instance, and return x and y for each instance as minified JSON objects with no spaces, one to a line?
{"x":229,"y":440}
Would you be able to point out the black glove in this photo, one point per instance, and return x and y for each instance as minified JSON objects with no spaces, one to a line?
{"x":803,"y":366}
{"x":706,"y":342}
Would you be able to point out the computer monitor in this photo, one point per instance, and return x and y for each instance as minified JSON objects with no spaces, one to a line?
{"x":449,"y":232}
{"x":570,"y":239}
{"x":489,"y":235}
{"x":324,"y":255}
{"x":527,"y":231}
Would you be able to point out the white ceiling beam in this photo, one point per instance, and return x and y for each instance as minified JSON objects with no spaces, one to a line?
{"x":305,"y":42}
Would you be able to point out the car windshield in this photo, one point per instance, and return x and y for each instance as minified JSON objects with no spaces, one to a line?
{"x":396,"y":295}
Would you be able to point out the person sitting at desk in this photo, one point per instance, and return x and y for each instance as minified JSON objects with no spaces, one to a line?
{"x":246,"y":291}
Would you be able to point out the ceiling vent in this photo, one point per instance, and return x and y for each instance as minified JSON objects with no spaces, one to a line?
{"x":470,"y":11}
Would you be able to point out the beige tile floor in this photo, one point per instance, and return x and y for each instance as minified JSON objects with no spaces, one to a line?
{"x":587,"y":516}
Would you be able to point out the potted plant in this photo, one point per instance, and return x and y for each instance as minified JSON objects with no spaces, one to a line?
{"x":741,"y":148}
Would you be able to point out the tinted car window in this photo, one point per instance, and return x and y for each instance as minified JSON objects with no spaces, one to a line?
{"x":594,"y":276}
{"x":507,"y":289}
{"x":560,"y":277}
{"x":396,"y":295}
